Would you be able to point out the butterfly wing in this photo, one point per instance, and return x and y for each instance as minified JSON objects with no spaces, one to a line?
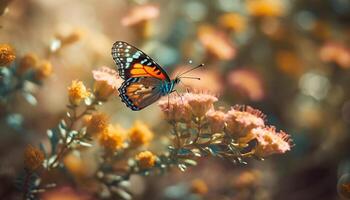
{"x":139,"y":92}
{"x":133,"y":63}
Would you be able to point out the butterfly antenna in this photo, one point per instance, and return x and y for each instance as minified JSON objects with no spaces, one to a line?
{"x":197,"y":78}
{"x":199,"y":66}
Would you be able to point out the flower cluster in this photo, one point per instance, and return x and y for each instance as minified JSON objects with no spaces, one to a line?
{"x":199,"y":129}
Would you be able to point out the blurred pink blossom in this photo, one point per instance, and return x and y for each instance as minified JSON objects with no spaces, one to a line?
{"x":140,"y":14}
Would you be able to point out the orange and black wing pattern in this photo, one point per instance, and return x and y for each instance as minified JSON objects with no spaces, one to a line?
{"x":137,"y":93}
{"x":133,"y":63}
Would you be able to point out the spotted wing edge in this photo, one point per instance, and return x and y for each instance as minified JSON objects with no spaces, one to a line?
{"x":125,"y":72}
{"x":126,"y":100}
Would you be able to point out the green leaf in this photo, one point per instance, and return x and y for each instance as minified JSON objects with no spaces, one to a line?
{"x":30,"y":98}
{"x":53,"y":138}
{"x":190,"y":162}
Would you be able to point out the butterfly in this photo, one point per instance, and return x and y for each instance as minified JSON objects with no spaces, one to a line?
{"x":145,"y":81}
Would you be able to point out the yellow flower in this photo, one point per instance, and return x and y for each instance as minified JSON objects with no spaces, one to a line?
{"x":265,"y":8}
{"x":233,"y":21}
{"x":113,"y":138}
{"x":28,"y":61}
{"x":198,"y":186}
{"x":77,"y":92}
{"x":7,"y":54}
{"x":43,"y":70}
{"x":97,"y":123}
{"x":140,"y":134}
{"x":146,"y":159}
{"x":75,"y":164}
{"x":33,"y":158}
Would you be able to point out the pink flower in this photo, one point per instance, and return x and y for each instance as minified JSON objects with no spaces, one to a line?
{"x":175,"y":109}
{"x":140,"y":14}
{"x":107,"y":81}
{"x":200,"y":103}
{"x":216,"y":43}
{"x":216,"y":120}
{"x":241,"y":119}
{"x":337,"y":53}
{"x":248,"y":82}
{"x":270,"y":141}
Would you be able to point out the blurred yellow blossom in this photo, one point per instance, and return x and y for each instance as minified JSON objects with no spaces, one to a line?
{"x":43,"y":70}
{"x":75,"y":164}
{"x":71,"y":38}
{"x":265,"y":8}
{"x":113,"y":138}
{"x":33,"y":158}
{"x":289,"y":63}
{"x":233,"y":21}
{"x":96,"y":123}
{"x":7,"y":54}
{"x":198,"y":186}
{"x":107,"y":82}
{"x":247,"y":179}
{"x":77,"y":92}
{"x":28,"y":61}
{"x":140,"y":134}
{"x":216,"y":42}
{"x":146,"y":159}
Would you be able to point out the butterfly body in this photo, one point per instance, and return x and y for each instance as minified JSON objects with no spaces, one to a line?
{"x":145,"y":81}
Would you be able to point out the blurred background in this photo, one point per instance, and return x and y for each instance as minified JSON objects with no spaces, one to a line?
{"x":288,"y":58}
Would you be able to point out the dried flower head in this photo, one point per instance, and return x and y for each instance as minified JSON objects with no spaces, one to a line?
{"x":112,"y":139}
{"x":216,"y":43}
{"x":107,"y":82}
{"x":241,"y":120}
{"x":200,"y":103}
{"x":28,"y":61}
{"x":198,"y":186}
{"x":248,"y":83}
{"x":43,"y":70}
{"x":77,"y":92}
{"x":146,"y":159}
{"x":270,"y":141}
{"x":233,"y":21}
{"x":176,"y":109}
{"x":216,"y":119}
{"x":140,"y":134}
{"x":265,"y":8}
{"x":140,"y":14}
{"x":337,"y":53}
{"x":33,"y":158}
{"x":7,"y":54}
{"x":96,"y":123}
